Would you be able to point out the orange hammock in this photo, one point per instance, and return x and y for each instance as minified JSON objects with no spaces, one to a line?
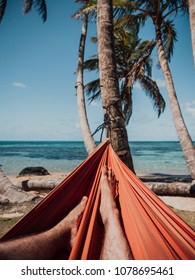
{"x":153,"y":230}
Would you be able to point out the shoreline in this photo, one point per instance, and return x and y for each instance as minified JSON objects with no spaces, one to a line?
{"x":139,"y":173}
{"x":149,"y":157}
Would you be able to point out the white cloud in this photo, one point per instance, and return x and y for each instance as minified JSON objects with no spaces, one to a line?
{"x":160,"y":82}
{"x":137,"y":85}
{"x":190,"y":108}
{"x":19,"y":85}
{"x":142,"y":120}
{"x":95,"y":104}
{"x":77,"y":125}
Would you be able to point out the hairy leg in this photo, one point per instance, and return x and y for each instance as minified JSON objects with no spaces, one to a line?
{"x":47,"y":244}
{"x":115,"y":245}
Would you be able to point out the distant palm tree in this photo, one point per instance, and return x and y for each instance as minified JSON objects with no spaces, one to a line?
{"x":161,"y":13}
{"x":133,"y":64}
{"x":85,"y":129}
{"x":192,"y":24}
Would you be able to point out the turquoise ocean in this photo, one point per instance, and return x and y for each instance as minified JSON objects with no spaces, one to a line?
{"x":64,"y":156}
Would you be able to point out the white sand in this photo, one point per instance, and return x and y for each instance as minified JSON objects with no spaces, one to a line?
{"x":179,"y":202}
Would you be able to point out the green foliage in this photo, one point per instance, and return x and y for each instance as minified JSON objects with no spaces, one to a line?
{"x":3,"y":4}
{"x":162,"y":13}
{"x":133,"y":64}
{"x":40,"y":5}
{"x":169,"y":37}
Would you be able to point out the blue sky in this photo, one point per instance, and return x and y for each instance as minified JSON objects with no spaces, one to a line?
{"x":37,"y":80}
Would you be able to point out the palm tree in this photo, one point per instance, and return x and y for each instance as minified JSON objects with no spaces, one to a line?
{"x":113,"y":118}
{"x":161,"y":13}
{"x":85,"y":129}
{"x":133,"y":64}
{"x":110,"y":95}
{"x":192,"y":24}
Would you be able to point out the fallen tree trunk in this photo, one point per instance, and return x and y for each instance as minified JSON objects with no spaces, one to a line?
{"x":172,"y":189}
{"x":39,"y":184}
{"x":159,"y":188}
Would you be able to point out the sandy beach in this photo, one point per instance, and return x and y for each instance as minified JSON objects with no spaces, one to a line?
{"x":180,"y":203}
{"x":11,"y":213}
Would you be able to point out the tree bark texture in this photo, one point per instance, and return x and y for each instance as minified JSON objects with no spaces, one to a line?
{"x":84,"y":124}
{"x":192,"y":24}
{"x":182,"y":131}
{"x":111,"y":102}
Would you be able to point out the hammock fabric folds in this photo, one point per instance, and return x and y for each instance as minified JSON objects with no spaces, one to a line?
{"x":152,"y":229}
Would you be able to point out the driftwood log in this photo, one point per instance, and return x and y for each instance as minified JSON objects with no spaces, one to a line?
{"x":172,"y":189}
{"x":28,"y":190}
{"x":159,"y":188}
{"x":39,"y":184}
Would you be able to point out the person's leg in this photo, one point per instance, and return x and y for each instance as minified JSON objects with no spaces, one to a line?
{"x":47,"y":244}
{"x":115,"y":245}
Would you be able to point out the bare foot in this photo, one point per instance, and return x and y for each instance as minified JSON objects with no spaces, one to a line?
{"x":115,"y":244}
{"x":55,"y":243}
{"x":108,"y":192}
{"x":67,"y":228}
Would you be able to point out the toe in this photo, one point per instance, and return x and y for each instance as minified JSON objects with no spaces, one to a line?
{"x":105,"y":170}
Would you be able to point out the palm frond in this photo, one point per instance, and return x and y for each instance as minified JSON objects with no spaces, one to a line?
{"x":3,"y":4}
{"x":92,"y":90}
{"x":142,"y":65}
{"x":131,"y":21}
{"x":42,"y":9}
{"x":175,"y":6}
{"x":122,"y":8}
{"x":148,"y":66}
{"x":92,"y":64}
{"x":169,"y":37}
{"x":27,"y":6}
{"x":142,"y":49}
{"x":152,"y":90}
{"x":126,"y":101}
{"x":94,"y":39}
{"x":40,"y":5}
{"x":89,"y":7}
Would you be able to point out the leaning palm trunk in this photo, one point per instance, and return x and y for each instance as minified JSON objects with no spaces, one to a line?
{"x":192,"y":24}
{"x":182,"y":131}
{"x":85,"y":130}
{"x":111,"y":103}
